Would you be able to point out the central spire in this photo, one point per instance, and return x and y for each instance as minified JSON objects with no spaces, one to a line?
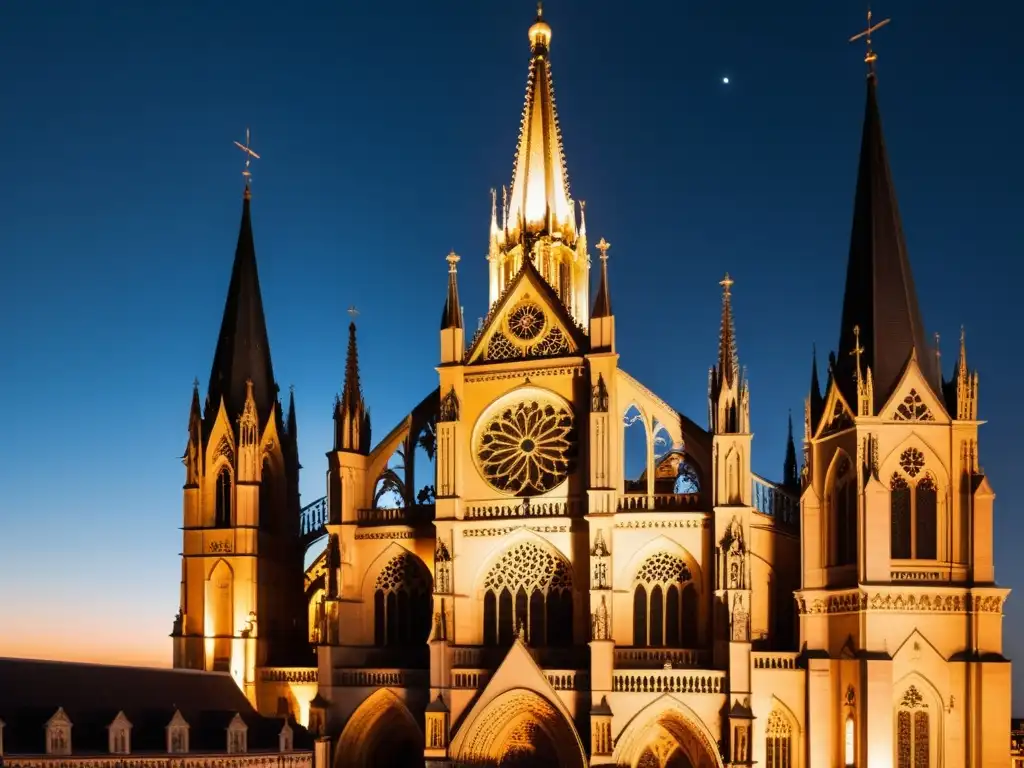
{"x":539,"y":202}
{"x":538,"y":220}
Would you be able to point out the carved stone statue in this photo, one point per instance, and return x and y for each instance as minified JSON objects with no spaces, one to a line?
{"x":449,"y":410}
{"x":599,"y":396}
{"x":179,"y":621}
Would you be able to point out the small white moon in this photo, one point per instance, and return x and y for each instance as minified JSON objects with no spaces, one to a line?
{"x":725,"y":80}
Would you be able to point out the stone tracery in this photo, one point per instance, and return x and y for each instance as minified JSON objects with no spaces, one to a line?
{"x":665,"y":610}
{"x":529,"y":587}
{"x":402,"y":602}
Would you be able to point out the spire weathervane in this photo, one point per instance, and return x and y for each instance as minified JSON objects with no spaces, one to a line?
{"x":870,"y":56}
{"x":249,"y":156}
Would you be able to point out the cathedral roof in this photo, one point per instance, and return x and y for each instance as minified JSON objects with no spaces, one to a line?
{"x":880,"y":298}
{"x":91,"y":696}
{"x":243,"y":348}
{"x":539,"y":201}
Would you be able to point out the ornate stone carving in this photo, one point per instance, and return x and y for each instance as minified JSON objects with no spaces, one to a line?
{"x":600,"y":622}
{"x":733,"y":553}
{"x":912,"y":698}
{"x":530,"y":566}
{"x":442,"y":568}
{"x":740,"y":619}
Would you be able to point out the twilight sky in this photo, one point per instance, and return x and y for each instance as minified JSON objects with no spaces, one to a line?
{"x":382,"y":127}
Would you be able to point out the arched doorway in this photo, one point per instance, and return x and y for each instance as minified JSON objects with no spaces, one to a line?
{"x":666,"y":735}
{"x":518,"y":729}
{"x":380,"y":732}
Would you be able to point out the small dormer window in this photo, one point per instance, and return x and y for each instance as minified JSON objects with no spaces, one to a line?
{"x":237,"y":735}
{"x":286,"y":739}
{"x":58,"y":734}
{"x":119,"y":735}
{"x":177,"y":735}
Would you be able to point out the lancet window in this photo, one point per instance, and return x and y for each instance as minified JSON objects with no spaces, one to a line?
{"x":913,"y":731}
{"x":528,"y":592}
{"x":222,"y":499}
{"x":913,"y":509}
{"x":402,"y":602}
{"x":778,"y":741}
{"x":665,"y":611}
{"x":843,"y":500}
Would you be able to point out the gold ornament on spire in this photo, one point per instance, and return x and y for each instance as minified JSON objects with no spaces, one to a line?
{"x":249,"y":157}
{"x":452,"y":258}
{"x":603,"y":246}
{"x":727,"y":283}
{"x":870,"y":57}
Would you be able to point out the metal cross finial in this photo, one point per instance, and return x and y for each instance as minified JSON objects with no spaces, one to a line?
{"x":452,"y":258}
{"x":857,"y":350}
{"x":540,"y":9}
{"x":249,"y":156}
{"x":353,"y":312}
{"x":870,"y":57}
{"x":727,"y":283}
{"x":603,"y":246}
{"x":195,"y":383}
{"x":291,"y":389}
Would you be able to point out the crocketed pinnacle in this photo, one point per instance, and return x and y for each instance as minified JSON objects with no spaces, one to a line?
{"x":880,"y":298}
{"x":352,"y":392}
{"x":539,"y":202}
{"x":451,"y":316}
{"x":728,"y":358}
{"x":243,"y":347}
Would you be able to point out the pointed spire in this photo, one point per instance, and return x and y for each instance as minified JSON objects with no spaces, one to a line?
{"x":293,"y":426}
{"x":603,"y":302}
{"x":961,"y":391}
{"x":352,"y":422}
{"x":880,"y":297}
{"x":243,"y":347}
{"x":451,"y":317}
{"x":540,"y":200}
{"x":728,"y":358}
{"x":790,"y":471}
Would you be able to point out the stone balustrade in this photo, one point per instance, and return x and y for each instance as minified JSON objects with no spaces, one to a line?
{"x":775,"y":660}
{"x":191,"y":760}
{"x":669,"y":681}
{"x":289,"y":674}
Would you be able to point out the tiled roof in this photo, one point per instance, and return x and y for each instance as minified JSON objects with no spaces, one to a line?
{"x":92,"y":694}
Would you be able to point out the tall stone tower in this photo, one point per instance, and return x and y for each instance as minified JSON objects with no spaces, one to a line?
{"x":241,"y":583}
{"x":900,"y":614}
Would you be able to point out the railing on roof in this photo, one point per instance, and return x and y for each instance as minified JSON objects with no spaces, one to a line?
{"x":775,"y":501}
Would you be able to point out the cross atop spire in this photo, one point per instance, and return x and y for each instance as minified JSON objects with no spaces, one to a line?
{"x":249,"y":157}
{"x":353,"y":312}
{"x":451,"y":315}
{"x":870,"y":57}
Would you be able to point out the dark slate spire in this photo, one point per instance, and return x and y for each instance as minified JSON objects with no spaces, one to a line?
{"x":243,"y":349}
{"x":880,"y":298}
{"x":351,"y":420}
{"x":451,"y":316}
{"x":790,"y":471}
{"x":603,"y":302}
{"x":292,"y":424}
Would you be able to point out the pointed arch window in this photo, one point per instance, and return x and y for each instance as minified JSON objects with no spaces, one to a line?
{"x":665,"y":604}
{"x":913,"y":731}
{"x":528,"y":590}
{"x":844,"y":504}
{"x":222,"y":499}
{"x":778,"y":741}
{"x":913,"y":509}
{"x":402,"y":603}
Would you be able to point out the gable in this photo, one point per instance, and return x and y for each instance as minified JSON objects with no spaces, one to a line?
{"x":913,"y":399}
{"x":528,"y":321}
{"x":836,"y":415}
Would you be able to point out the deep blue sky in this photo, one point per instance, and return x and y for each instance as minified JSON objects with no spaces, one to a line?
{"x":382,"y":126}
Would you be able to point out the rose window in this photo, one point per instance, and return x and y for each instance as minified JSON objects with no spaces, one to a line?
{"x":527,"y":447}
{"x":526,"y":321}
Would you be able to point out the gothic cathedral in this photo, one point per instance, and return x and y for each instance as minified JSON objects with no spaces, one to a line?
{"x":493,"y":590}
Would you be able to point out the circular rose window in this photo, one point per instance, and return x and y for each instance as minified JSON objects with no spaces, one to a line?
{"x":526,"y":447}
{"x":526,"y":321}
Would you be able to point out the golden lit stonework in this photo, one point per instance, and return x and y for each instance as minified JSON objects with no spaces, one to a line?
{"x":526,"y":447}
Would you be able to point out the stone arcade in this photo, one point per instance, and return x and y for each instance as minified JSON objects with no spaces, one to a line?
{"x":494,"y":591}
